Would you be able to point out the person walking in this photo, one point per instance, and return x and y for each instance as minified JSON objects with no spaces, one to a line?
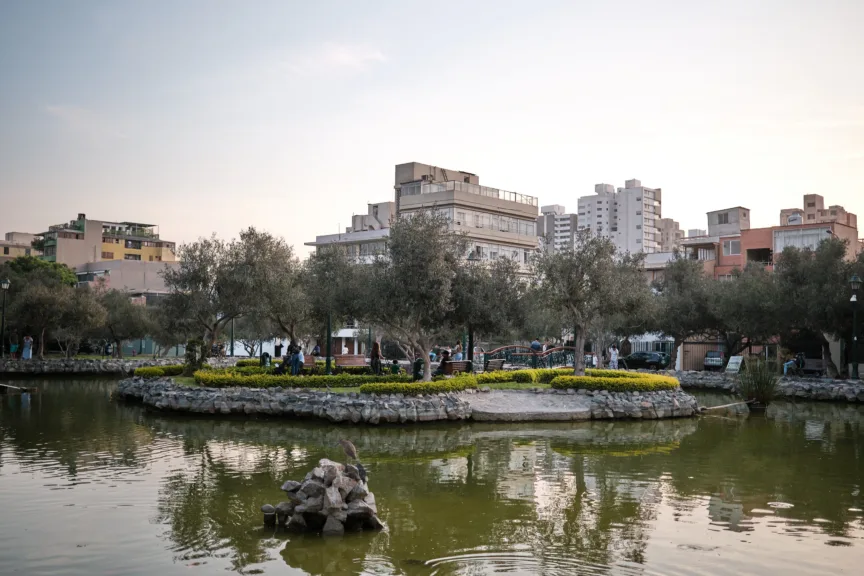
{"x":375,"y":358}
{"x":27,"y":352}
{"x":613,"y":357}
{"x":457,"y":351}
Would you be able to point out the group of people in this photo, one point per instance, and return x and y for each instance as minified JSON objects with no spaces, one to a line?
{"x":536,"y":346}
{"x":447,"y":353}
{"x":293,"y":360}
{"x":26,"y":351}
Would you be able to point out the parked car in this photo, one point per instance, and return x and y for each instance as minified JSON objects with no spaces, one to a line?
{"x":713,"y":360}
{"x":651,"y":360}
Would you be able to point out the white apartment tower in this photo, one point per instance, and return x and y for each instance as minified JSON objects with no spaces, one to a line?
{"x":629,"y":216}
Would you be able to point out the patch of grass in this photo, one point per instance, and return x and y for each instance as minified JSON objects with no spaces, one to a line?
{"x":185,"y":380}
{"x":515,"y":385}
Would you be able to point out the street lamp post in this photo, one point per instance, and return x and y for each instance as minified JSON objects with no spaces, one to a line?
{"x":855,"y":283}
{"x":4,"y":285}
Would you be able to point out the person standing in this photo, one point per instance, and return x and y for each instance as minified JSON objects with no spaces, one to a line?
{"x":297,"y":361}
{"x":375,"y":358}
{"x":27,"y":352}
{"x":13,"y":344}
{"x":536,"y":346}
{"x":613,"y":357}
{"x":457,"y":351}
{"x":277,"y":349}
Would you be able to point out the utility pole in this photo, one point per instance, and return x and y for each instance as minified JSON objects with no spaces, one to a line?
{"x":328,"y":369}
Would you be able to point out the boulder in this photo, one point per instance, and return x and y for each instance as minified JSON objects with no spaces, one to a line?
{"x":312,"y":488}
{"x":333,"y":527}
{"x":291,"y":486}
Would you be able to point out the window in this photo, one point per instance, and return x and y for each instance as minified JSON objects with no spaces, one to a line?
{"x":638,"y":199}
{"x":614,"y":229}
{"x":107,"y":255}
{"x":460,"y":217}
{"x":5,"y":250}
{"x":50,"y":251}
{"x":151,"y":258}
{"x":723,"y":218}
{"x":638,"y":227}
{"x":133,"y":245}
{"x":638,"y":213}
{"x":132,"y":257}
{"x":27,"y":251}
{"x":833,"y":212}
{"x":811,"y":216}
{"x":811,"y":204}
{"x":731,"y":247}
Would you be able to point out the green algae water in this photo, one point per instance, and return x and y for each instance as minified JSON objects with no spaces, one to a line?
{"x":91,"y":486}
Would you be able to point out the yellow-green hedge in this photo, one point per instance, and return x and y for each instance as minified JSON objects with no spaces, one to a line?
{"x":455,"y":384}
{"x":159,"y":371}
{"x":637,"y":383}
{"x":225,"y":378}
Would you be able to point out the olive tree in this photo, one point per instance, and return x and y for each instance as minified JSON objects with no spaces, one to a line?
{"x":124,"y":319}
{"x":81,"y":314}
{"x":587,"y":283}
{"x":408,"y":290}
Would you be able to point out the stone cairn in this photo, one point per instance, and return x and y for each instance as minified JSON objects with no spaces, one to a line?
{"x":332,"y":499}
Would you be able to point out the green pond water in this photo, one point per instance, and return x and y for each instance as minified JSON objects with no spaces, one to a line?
{"x":91,"y":486}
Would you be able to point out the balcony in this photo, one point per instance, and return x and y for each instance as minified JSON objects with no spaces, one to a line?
{"x":415,"y":188}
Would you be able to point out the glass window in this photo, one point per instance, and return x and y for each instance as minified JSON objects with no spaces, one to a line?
{"x":731,"y":247}
{"x":723,"y":218}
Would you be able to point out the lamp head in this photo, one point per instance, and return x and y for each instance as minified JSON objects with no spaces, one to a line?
{"x":4,"y":284}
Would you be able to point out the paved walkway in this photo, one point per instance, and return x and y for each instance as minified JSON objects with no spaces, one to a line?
{"x":520,"y":406}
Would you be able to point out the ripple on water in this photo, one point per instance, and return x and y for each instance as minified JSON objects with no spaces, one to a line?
{"x":550,"y":563}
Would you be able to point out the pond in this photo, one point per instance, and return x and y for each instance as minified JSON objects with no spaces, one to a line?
{"x":91,"y":486}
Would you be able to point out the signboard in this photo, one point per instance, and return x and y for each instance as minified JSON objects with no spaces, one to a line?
{"x":734,"y":365}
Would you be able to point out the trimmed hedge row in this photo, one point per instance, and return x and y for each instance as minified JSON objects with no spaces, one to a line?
{"x":254,"y":367}
{"x":643,"y":383}
{"x":455,"y":384}
{"x":159,"y":371}
{"x":221,"y":379}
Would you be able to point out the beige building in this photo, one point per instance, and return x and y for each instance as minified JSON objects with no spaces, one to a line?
{"x":365,"y":238}
{"x":498,"y":223}
{"x":137,"y":278}
{"x":814,"y":212}
{"x":17,"y":244}
{"x":82,"y":241}
{"x":670,"y":234}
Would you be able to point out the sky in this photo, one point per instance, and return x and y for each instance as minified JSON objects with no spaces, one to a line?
{"x":210,"y":116}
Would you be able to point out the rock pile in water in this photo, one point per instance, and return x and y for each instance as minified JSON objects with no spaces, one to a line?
{"x":331,"y":499}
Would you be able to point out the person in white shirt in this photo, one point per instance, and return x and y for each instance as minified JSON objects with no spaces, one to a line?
{"x":613,"y":357}
{"x":344,"y":349}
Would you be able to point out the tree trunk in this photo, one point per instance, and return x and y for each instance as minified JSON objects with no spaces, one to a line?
{"x":579,"y":353}
{"x":42,"y":344}
{"x":830,"y":367}
{"x":676,"y":344}
{"x":118,"y":349}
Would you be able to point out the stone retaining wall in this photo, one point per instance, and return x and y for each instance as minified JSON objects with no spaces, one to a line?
{"x":123,"y":366}
{"x":164,"y":394}
{"x":792,"y":388}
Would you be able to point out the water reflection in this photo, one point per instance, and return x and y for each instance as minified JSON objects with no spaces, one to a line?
{"x":716,"y":494}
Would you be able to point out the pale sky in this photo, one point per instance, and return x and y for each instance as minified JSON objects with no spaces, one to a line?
{"x":210,"y":116}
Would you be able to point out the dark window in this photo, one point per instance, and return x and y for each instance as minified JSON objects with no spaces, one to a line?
{"x":5,"y":250}
{"x":723,"y":218}
{"x":811,"y":204}
{"x":132,"y":257}
{"x":107,"y":255}
{"x":811,"y":216}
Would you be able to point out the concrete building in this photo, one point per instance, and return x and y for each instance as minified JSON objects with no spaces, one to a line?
{"x":498,"y":223}
{"x":814,"y":212}
{"x":136,"y":278}
{"x":670,"y":234}
{"x":365,"y":238}
{"x":732,"y":245}
{"x":696,"y":232}
{"x":17,"y":244}
{"x":82,"y":241}
{"x":628,"y":216}
{"x":556,"y":228}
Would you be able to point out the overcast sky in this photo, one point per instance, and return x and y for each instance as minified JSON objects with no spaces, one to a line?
{"x":210,"y":116}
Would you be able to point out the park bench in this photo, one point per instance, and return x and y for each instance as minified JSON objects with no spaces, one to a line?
{"x":452,"y":366}
{"x":813,"y":366}
{"x":350,"y":360}
{"x":493,"y":365}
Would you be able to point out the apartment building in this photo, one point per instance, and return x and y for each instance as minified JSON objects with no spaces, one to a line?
{"x":628,"y":216}
{"x":17,"y":244}
{"x":367,"y":234}
{"x":556,"y":228}
{"x":82,"y":241}
{"x":670,"y":234}
{"x":498,"y":223}
{"x":814,"y":212}
{"x":732,"y":245}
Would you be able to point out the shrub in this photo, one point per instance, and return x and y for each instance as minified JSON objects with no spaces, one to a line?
{"x":149,"y":372}
{"x":758,"y":381}
{"x":455,"y":384}
{"x":255,"y":362}
{"x":223,"y":378}
{"x":495,"y":377}
{"x":644,"y":383}
{"x":526,"y":376}
{"x":173,"y":370}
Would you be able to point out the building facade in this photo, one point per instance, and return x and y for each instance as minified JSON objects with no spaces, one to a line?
{"x":497,"y":223}
{"x":17,"y":244}
{"x":670,"y":234}
{"x":814,"y":212}
{"x":628,"y":216}
{"x":556,"y":228}
{"x":366,"y":236}
{"x":82,"y":241}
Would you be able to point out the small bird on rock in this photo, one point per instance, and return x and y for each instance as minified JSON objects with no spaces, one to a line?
{"x":351,"y":453}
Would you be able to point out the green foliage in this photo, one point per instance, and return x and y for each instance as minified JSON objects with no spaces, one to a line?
{"x":638,"y":383}
{"x":488,"y":297}
{"x":758,"y":381}
{"x":124,"y":320}
{"x":455,"y":384}
{"x":496,"y":377}
{"x":226,"y":378}
{"x":159,"y":371}
{"x":25,"y":267}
